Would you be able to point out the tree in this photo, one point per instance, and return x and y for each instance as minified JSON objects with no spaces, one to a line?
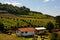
{"x":49,"y":26}
{"x":14,"y":9}
{"x":58,"y":21}
{"x":24,"y":10}
{"x":1,"y":26}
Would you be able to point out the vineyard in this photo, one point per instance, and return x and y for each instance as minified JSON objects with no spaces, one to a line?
{"x":31,"y":20}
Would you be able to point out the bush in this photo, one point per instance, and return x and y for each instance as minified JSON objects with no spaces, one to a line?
{"x":58,"y":38}
{"x":42,"y":32}
{"x":54,"y":36}
{"x":1,"y":26}
{"x":49,"y":26}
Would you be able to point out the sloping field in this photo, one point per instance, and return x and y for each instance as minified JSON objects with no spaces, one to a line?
{"x":14,"y":19}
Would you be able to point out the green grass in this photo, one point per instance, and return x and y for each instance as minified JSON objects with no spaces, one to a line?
{"x":3,"y":11}
{"x":36,"y":16}
{"x":34,"y":19}
{"x":8,"y":37}
{"x":14,"y":37}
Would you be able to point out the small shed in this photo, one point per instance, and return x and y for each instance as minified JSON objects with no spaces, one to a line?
{"x":25,"y":31}
{"x":38,"y":29}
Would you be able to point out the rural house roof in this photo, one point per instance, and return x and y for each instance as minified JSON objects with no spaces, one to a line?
{"x":40,"y":28}
{"x":26,"y":29}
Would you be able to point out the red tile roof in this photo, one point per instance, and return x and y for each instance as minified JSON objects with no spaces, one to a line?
{"x":26,"y":29}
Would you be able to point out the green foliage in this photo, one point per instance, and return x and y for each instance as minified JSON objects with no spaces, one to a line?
{"x":58,"y":38}
{"x":42,"y":32}
{"x":1,"y":26}
{"x":50,"y":26}
{"x":35,"y":12}
{"x":11,"y":22}
{"x":58,"y":21}
{"x":14,"y":9}
{"x":23,"y":17}
{"x":54,"y":36}
{"x":37,"y":16}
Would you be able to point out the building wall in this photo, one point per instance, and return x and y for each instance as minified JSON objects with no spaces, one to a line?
{"x":28,"y":33}
{"x":25,"y":33}
{"x":18,"y":32}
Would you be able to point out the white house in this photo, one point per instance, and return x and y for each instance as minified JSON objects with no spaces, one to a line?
{"x":25,"y":31}
{"x":29,"y":31}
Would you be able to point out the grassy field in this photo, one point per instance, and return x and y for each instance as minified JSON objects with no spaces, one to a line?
{"x":34,"y":19}
{"x":14,"y":37}
{"x":8,"y":37}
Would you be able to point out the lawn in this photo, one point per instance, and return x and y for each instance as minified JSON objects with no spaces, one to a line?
{"x":9,"y":37}
{"x":14,"y":37}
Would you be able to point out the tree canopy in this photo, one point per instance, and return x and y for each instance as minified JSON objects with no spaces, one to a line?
{"x":14,"y":9}
{"x":58,"y":21}
{"x":1,"y":26}
{"x":49,"y":26}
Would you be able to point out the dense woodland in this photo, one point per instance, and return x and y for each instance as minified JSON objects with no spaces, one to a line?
{"x":14,"y":9}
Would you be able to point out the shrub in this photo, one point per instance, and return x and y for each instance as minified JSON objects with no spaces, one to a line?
{"x":54,"y":36}
{"x":42,"y":32}
{"x":49,"y":26}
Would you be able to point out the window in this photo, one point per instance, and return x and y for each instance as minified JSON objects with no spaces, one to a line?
{"x":25,"y":32}
{"x":22,"y":32}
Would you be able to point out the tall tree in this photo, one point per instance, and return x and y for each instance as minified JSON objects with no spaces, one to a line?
{"x":58,"y":21}
{"x":49,"y":26}
{"x":14,"y":9}
{"x":1,"y":26}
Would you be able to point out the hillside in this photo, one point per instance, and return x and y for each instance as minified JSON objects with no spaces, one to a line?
{"x":13,"y":17}
{"x":33,"y":20}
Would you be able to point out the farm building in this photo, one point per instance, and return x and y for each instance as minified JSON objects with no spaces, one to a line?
{"x":39,"y":29}
{"x":29,"y":31}
{"x":25,"y":31}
